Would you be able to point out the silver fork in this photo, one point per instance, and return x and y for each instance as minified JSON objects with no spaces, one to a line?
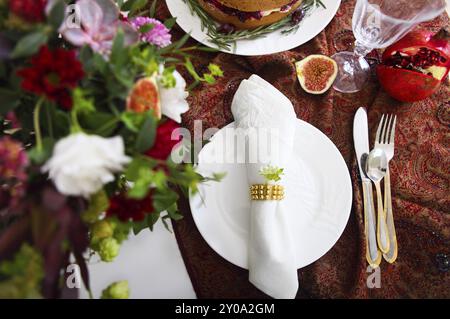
{"x":385,"y":140}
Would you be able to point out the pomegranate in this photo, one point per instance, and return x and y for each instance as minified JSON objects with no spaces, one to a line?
{"x":413,"y":68}
{"x":316,"y":73}
{"x":144,"y":96}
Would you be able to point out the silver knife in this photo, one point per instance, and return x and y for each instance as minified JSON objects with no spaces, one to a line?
{"x":361,"y":141}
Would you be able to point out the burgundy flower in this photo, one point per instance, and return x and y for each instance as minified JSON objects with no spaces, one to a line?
{"x":53,"y":74}
{"x":13,"y":164}
{"x":163,"y":142}
{"x":29,"y":10}
{"x":127,"y":209}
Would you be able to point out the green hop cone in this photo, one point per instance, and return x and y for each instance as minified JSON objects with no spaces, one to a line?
{"x":101,"y":230}
{"x":117,"y":290}
{"x":121,"y":229}
{"x":108,"y":249}
{"x":98,"y":203}
{"x":21,"y":277}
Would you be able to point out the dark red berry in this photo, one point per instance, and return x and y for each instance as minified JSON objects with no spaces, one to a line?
{"x":226,"y":28}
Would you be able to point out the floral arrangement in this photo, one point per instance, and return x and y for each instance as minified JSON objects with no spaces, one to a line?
{"x":91,"y":102}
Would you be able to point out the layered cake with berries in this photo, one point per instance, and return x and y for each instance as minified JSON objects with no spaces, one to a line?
{"x":249,"y":14}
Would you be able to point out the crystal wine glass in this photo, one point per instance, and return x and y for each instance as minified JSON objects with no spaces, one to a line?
{"x":378,"y":24}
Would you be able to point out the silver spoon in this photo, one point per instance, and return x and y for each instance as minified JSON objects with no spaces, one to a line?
{"x":375,"y":169}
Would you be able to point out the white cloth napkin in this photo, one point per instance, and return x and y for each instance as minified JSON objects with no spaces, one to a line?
{"x":260,"y":110}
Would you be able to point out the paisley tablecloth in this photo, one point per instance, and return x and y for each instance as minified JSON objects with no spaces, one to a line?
{"x":420,"y":177}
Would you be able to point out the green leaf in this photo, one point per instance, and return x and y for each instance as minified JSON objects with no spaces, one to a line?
{"x":169,"y":23}
{"x":152,"y":219}
{"x":146,"y":28}
{"x":173,"y":212}
{"x":132,"y":120}
{"x":166,"y":224}
{"x":61,"y":122}
{"x":146,"y":135}
{"x":57,"y":14}
{"x":139,"y":226}
{"x":133,"y":5}
{"x":100,"y":123}
{"x":168,"y":79}
{"x":10,"y":99}
{"x":29,"y":44}
{"x":118,"y":54}
{"x":190,"y":68}
{"x":219,"y":176}
{"x":81,"y":103}
{"x":175,"y":45}
{"x":127,"y":5}
{"x":153,"y":9}
{"x":100,"y":64}
{"x":162,"y":200}
{"x":133,"y":170}
{"x":41,"y":156}
{"x":209,"y":78}
{"x":215,"y":70}
{"x":271,"y":173}
{"x":141,"y":186}
{"x":86,"y":57}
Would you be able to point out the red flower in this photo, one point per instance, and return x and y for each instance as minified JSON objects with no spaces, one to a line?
{"x":163,"y":142}
{"x":29,"y":10}
{"x":53,"y":74}
{"x":127,"y":208}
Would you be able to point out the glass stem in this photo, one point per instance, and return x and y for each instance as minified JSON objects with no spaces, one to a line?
{"x":361,"y":50}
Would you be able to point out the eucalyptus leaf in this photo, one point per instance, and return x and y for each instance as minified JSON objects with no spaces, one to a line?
{"x":118,"y":54}
{"x":153,"y":9}
{"x":57,"y":14}
{"x":29,"y":44}
{"x":146,"y":135}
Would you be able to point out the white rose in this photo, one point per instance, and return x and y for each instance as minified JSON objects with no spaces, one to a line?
{"x":81,"y":164}
{"x":173,"y":100}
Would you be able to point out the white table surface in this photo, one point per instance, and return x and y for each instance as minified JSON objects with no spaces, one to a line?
{"x":152,"y":264}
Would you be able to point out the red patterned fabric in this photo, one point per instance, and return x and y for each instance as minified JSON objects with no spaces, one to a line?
{"x":420,"y":173}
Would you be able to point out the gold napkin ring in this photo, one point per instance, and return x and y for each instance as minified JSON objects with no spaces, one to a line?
{"x":266,"y":192}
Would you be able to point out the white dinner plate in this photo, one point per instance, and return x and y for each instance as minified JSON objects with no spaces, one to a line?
{"x":318,"y":196}
{"x":273,"y":43}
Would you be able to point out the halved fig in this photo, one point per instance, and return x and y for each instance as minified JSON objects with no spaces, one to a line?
{"x":316,"y":73}
{"x":144,"y":96}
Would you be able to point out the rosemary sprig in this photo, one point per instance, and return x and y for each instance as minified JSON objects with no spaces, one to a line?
{"x":225,"y":41}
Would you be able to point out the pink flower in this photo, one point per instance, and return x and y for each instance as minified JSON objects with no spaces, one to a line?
{"x":99,"y":25}
{"x":13,"y":164}
{"x":159,"y":34}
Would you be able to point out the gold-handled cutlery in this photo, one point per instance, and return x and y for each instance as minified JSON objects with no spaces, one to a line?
{"x":375,"y":169}
{"x":361,"y":143}
{"x":385,"y":140}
